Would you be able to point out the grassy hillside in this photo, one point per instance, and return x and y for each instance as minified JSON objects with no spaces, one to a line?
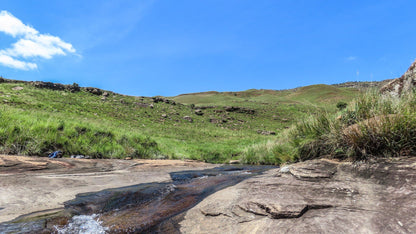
{"x":211,"y":126}
{"x":373,"y":125}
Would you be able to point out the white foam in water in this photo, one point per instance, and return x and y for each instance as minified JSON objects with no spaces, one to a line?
{"x":83,"y":224}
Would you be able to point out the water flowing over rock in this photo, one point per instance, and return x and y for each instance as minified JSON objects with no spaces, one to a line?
{"x":401,"y":85}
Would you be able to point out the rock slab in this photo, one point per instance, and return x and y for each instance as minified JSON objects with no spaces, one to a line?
{"x":318,"y":196}
{"x":404,"y":84}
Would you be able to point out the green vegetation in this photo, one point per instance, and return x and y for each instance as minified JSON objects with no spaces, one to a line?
{"x":341,"y":105}
{"x":214,"y":127}
{"x":372,"y":125}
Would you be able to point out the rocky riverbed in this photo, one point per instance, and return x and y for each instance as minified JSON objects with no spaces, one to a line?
{"x":317,"y":196}
{"x":32,"y":184}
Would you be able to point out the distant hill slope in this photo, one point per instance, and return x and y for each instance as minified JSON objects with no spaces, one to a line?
{"x":319,"y":93}
{"x":316,"y":94}
{"x":40,"y":117}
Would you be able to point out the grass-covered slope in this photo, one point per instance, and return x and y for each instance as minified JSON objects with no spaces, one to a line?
{"x":372,"y":125}
{"x":214,"y":127}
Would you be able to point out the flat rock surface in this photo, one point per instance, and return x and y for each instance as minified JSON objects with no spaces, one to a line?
{"x":32,"y":184}
{"x":318,"y":196}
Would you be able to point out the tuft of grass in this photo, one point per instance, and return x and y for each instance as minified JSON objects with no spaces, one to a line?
{"x":373,"y":125}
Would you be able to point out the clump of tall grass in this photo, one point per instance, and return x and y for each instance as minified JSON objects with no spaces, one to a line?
{"x":269,"y":152}
{"x":24,"y":133}
{"x":373,"y":125}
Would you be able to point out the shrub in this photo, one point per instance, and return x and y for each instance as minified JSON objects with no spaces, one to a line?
{"x":341,"y":105}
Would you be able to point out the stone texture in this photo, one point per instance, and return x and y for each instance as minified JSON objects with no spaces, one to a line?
{"x":401,"y":85}
{"x":239,"y":110}
{"x":264,"y":132}
{"x":318,"y":196}
{"x":188,"y":118}
{"x":198,"y":112}
{"x":18,"y":88}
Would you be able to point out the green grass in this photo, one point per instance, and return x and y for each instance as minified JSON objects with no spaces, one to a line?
{"x":38,"y":121}
{"x":372,"y":125}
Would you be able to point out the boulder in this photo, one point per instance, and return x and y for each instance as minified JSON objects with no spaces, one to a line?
{"x":198,"y":112}
{"x":94,"y":91}
{"x":48,"y":85}
{"x":264,"y":132}
{"x":188,"y":118}
{"x":18,"y":88}
{"x":401,"y":85}
{"x":140,"y":104}
{"x":239,"y":110}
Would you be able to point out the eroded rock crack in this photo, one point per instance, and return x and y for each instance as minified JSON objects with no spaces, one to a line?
{"x":281,"y":212}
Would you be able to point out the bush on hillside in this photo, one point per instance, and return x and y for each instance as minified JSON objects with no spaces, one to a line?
{"x":341,"y":105}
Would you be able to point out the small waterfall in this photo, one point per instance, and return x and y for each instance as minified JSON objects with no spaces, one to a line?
{"x":83,"y":224}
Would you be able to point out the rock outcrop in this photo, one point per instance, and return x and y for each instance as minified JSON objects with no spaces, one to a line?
{"x":239,"y":110}
{"x":401,"y":85}
{"x":319,"y":196}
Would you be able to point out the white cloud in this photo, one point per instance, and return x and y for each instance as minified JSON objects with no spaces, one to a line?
{"x":30,"y":44}
{"x":8,"y":61}
{"x":351,"y":58}
{"x":13,"y":26}
{"x":45,"y":46}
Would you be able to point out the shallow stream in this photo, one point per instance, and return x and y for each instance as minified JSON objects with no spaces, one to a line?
{"x":151,"y":207}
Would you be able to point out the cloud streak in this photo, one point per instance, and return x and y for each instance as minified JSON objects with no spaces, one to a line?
{"x":30,"y":44}
{"x":351,"y":58}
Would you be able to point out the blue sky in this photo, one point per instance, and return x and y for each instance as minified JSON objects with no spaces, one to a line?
{"x":163,"y":47}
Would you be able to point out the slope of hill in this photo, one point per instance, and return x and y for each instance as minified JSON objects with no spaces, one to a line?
{"x":38,"y":118}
